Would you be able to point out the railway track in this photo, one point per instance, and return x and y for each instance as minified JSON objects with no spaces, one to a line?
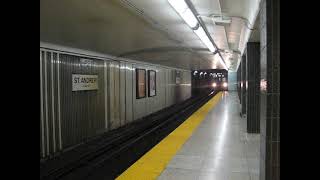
{"x":109,"y":155}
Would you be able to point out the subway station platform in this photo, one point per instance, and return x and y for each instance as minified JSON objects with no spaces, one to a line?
{"x":167,"y":89}
{"x":210,"y":144}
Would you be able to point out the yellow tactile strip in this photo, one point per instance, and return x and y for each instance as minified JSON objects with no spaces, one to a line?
{"x":150,"y":165}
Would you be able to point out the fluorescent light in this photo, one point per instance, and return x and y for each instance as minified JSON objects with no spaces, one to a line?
{"x":204,"y":38}
{"x":187,"y":15}
{"x":184,"y":11}
{"x":221,"y":62}
{"x":179,"y":5}
{"x":189,"y":18}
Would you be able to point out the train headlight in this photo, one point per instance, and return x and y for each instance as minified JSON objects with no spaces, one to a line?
{"x":214,"y":84}
{"x":225,"y":84}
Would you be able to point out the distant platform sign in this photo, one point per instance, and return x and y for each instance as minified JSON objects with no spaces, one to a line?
{"x":82,"y":82}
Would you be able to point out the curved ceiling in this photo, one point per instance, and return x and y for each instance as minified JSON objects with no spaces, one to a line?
{"x":148,"y":30}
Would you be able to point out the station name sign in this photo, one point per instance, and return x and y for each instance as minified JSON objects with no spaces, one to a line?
{"x":82,"y":82}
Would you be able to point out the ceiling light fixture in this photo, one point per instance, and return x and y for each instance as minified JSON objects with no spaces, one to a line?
{"x":221,"y":62}
{"x":189,"y":17}
{"x":204,"y":38}
{"x":185,"y":12}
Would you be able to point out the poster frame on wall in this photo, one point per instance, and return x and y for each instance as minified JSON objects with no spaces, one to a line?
{"x":138,"y":95}
{"x":150,"y":73}
{"x":178,"y":77}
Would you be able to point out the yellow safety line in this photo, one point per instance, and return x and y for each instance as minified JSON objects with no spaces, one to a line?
{"x":150,"y":165}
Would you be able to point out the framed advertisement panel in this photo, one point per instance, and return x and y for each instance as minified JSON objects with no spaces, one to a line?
{"x":152,"y":91}
{"x":140,"y":83}
{"x":178,"y":77}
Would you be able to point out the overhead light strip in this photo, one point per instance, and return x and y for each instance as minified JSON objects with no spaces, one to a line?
{"x":221,"y":61}
{"x":182,"y":8}
{"x":204,"y":38}
{"x":185,"y":12}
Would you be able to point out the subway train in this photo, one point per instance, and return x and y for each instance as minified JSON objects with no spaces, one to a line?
{"x":204,"y":80}
{"x":84,"y":94}
{"x":219,"y":79}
